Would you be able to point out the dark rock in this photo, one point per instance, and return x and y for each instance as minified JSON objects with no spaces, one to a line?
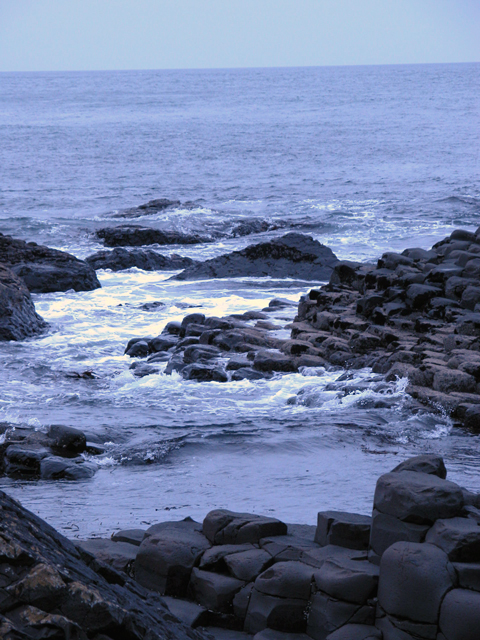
{"x":227,"y":527}
{"x":269,"y":360}
{"x":213,"y":590}
{"x":270,"y":634}
{"x":67,"y":439}
{"x":343,"y":529}
{"x":150,"y":208}
{"x":137,"y":236}
{"x":214,"y":558}
{"x":146,"y":259}
{"x":292,"y":256}
{"x":417,"y":497}
{"x":458,"y":537}
{"x":427,"y":463}
{"x":468,"y":574}
{"x":24,"y":461}
{"x":448,"y":380}
{"x":241,"y":601}
{"x":285,"y":579}
{"x":247,"y":565}
{"x":460,"y":615}
{"x":140,"y":369}
{"x":346,"y":579}
{"x":119,"y":555}
{"x":328,"y":614}
{"x":139,"y":349}
{"x":152,"y":306}
{"x":18,"y":318}
{"x":167,"y":555}
{"x":418,"y":295}
{"x":56,"y":468}
{"x":356,"y":632}
{"x":44,"y":269}
{"x":283,"y":614}
{"x":190,"y":613}
{"x":173,"y":328}
{"x":386,"y":530}
{"x":132,"y":536}
{"x":472,"y":418}
{"x":414,"y":579}
{"x":51,"y":589}
{"x":204,"y":373}
{"x":249,"y":374}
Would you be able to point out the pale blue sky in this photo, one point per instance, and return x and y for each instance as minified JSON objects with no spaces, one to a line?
{"x":40,"y":35}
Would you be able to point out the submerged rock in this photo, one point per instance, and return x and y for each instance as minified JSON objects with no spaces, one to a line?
{"x":146,"y":259}
{"x":149,"y":208}
{"x":292,"y":256}
{"x":45,"y":270}
{"x":18,"y":318}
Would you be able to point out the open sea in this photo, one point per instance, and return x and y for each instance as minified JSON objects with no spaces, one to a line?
{"x":364,"y":159}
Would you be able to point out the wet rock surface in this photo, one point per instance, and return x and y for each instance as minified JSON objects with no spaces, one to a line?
{"x":18,"y":318}
{"x":43,"y":269}
{"x":414,"y":315}
{"x":291,"y":256}
{"x":57,"y":454}
{"x":119,"y":259}
{"x":134,"y":235}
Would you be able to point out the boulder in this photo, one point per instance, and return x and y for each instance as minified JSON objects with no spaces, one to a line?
{"x":386,"y":530}
{"x":247,"y":565}
{"x":119,"y":555}
{"x":57,"y":468}
{"x":146,"y":259}
{"x":167,"y":555}
{"x":132,"y":536}
{"x":286,"y":579}
{"x":228,"y":527}
{"x":282,"y":614}
{"x":43,"y":269}
{"x":346,"y":579}
{"x":458,"y":537}
{"x":427,"y":463}
{"x":414,"y":579}
{"x":292,"y":256}
{"x":18,"y":318}
{"x":417,"y":497}
{"x":67,"y":440}
{"x":214,"y":558}
{"x":329,"y":614}
{"x":460,"y":615}
{"x":468,"y":574}
{"x":267,"y":360}
{"x":343,"y":529}
{"x":136,"y":236}
{"x":53,"y":589}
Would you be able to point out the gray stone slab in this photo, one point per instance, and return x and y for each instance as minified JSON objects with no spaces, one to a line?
{"x":286,"y":580}
{"x":247,"y":565}
{"x":386,"y":530}
{"x":188,"y":612}
{"x":343,"y":529}
{"x":460,"y":615}
{"x":351,"y":580}
{"x":458,"y":537}
{"x":316,"y":557}
{"x":132,"y":536}
{"x":119,"y":555}
{"x":289,"y":547}
{"x":414,"y":578}
{"x":281,"y":614}
{"x":213,"y":590}
{"x":417,"y":497}
{"x":327,"y":615}
{"x":227,"y":527}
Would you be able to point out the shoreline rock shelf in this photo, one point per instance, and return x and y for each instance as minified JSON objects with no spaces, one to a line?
{"x":414,"y":315}
{"x":411,"y":571}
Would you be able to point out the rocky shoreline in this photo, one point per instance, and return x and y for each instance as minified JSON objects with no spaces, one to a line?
{"x":410,"y":571}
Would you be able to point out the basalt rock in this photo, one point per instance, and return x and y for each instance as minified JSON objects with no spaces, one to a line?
{"x":137,"y":236}
{"x":146,"y":259}
{"x":292,"y":256}
{"x":43,"y":269}
{"x":18,"y":318}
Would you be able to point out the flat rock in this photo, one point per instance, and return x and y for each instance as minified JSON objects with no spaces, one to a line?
{"x":146,"y":259}
{"x":292,"y":256}
{"x":343,"y":529}
{"x":137,"y":235}
{"x":18,"y":318}
{"x":43,"y":269}
{"x":285,"y":579}
{"x":212,"y":590}
{"x":132,"y":536}
{"x":345,"y":579}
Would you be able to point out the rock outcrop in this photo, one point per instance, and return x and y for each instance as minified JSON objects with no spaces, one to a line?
{"x":291,"y":256}
{"x":49,"y":588}
{"x":18,"y":318}
{"x":413,"y":315}
{"x":146,"y":259}
{"x":43,"y":269}
{"x":412,"y":574}
{"x":134,"y":235}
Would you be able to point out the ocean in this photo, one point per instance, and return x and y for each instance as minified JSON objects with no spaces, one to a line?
{"x":363,"y":159}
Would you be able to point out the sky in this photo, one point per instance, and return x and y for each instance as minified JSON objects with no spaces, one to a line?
{"x":77,"y":35}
